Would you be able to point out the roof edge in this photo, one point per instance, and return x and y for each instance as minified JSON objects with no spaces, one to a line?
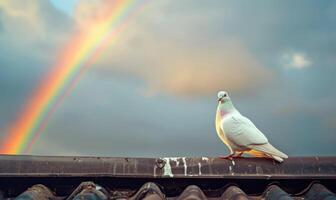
{"x":166,"y":167}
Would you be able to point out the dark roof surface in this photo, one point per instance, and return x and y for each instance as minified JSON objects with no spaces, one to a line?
{"x":47,"y":177}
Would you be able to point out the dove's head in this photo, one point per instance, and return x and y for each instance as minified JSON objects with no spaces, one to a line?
{"x":224,"y":103}
{"x":222,"y":96}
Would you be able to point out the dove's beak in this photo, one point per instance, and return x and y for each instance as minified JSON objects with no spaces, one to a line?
{"x":219,"y":99}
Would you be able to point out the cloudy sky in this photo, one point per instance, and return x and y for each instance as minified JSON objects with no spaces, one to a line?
{"x":153,"y":92}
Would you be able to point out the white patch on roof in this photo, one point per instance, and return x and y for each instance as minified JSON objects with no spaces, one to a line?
{"x":199,"y":168}
{"x":176,"y":160}
{"x":167,"y":171}
{"x":205,"y":159}
{"x":185,"y":165}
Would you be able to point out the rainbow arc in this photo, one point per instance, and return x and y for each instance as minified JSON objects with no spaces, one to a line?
{"x":77,"y":56}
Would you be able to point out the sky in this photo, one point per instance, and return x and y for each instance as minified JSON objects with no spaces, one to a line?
{"x":153,"y":92}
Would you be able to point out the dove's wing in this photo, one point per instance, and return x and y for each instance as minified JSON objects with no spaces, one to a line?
{"x":241,"y":131}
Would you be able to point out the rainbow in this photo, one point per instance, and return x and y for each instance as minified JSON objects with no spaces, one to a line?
{"x":79,"y":53}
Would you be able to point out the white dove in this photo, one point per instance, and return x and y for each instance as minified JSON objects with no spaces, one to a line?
{"x":239,"y":134}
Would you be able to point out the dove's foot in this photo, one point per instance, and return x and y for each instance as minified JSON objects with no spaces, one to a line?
{"x":238,"y":155}
{"x":231,"y":156}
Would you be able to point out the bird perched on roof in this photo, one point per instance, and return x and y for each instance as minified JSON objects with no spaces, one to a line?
{"x":240,"y":134}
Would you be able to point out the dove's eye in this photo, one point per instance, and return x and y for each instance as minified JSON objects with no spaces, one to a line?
{"x":225,"y":95}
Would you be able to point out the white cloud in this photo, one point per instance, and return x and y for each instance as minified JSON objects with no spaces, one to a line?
{"x":32,"y":28}
{"x":296,"y":60}
{"x":22,"y":18}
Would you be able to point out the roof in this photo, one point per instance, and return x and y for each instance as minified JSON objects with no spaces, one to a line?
{"x":49,"y":177}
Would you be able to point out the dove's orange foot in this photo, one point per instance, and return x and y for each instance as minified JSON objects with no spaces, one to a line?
{"x":231,"y":156}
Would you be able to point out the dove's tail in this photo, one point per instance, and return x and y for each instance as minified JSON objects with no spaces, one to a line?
{"x":260,"y":154}
{"x":268,"y":149}
{"x":277,"y":158}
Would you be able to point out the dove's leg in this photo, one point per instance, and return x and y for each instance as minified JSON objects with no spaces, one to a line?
{"x":232,"y":155}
